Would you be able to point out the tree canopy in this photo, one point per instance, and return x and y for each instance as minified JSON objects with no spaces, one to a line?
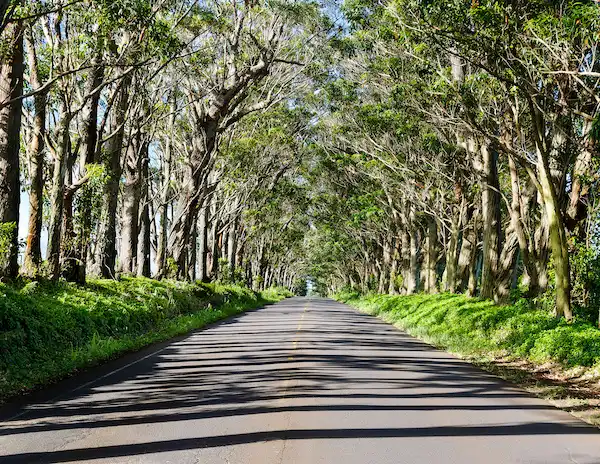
{"x":397,"y":146}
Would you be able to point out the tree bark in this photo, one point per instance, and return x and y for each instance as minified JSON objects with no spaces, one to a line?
{"x":413,"y":286}
{"x":431,"y":256}
{"x":132,"y":193}
{"x":11,"y":87}
{"x":558,"y":240}
{"x":161,"y":252}
{"x":106,"y":251}
{"x":89,"y":149}
{"x":144,"y":243}
{"x":57,"y":194}
{"x":553,"y":213}
{"x":490,"y":206}
{"x":203,"y":243}
{"x":232,"y":248}
{"x":468,"y":246}
{"x":33,"y":251}
{"x":452,"y":253}
{"x":392,"y":290}
{"x":214,"y":252}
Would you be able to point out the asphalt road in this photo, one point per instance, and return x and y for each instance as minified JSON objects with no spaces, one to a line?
{"x":302,"y":382}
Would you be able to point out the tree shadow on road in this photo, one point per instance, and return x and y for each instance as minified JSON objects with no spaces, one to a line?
{"x":344,"y":362}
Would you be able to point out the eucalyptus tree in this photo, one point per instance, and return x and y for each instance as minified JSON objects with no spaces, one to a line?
{"x":261,"y":171}
{"x":11,"y":89}
{"x":251,"y":57}
{"x":504,"y":43}
{"x":480,"y":117}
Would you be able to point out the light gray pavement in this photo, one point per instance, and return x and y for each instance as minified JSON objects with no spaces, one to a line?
{"x":306,"y":381}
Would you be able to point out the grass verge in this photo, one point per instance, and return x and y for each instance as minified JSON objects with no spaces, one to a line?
{"x":51,"y":330}
{"x":548,"y":357}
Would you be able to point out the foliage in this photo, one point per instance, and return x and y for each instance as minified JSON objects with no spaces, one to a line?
{"x":476,"y":327}
{"x":7,"y":230}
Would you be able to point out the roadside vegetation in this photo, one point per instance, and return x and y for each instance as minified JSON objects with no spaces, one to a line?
{"x":474,"y":327}
{"x":394,"y":146}
{"x":51,"y":330}
{"x":546,"y":356}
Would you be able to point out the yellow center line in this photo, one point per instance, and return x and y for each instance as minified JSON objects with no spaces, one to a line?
{"x":298,"y":330}
{"x":286,"y":382}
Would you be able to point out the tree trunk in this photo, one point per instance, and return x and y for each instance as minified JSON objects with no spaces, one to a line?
{"x":414,"y":283}
{"x":89,"y":148}
{"x":11,"y":87}
{"x":215,"y":249}
{"x":475,"y":255}
{"x":57,"y":193}
{"x":161,"y":252}
{"x":468,"y":246}
{"x":506,"y":265}
{"x":407,"y":281}
{"x":132,"y":192}
{"x":558,"y":240}
{"x":232,"y":248}
{"x":393,"y":269}
{"x":430,"y":261}
{"x":490,"y":206}
{"x":106,"y":251}
{"x":194,"y":190}
{"x":33,"y":251}
{"x":144,"y":243}
{"x":452,"y":254}
{"x":202,"y":243}
{"x":192,"y":253}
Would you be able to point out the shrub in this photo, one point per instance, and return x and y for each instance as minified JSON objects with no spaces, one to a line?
{"x":48,"y":330}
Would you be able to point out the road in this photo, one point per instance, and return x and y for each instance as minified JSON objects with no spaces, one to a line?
{"x":305,"y":381}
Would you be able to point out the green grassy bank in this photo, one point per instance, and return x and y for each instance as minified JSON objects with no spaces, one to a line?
{"x":472,"y":327}
{"x":50,"y":330}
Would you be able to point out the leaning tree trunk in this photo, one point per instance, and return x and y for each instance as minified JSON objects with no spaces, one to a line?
{"x":558,"y":240}
{"x":106,"y":250}
{"x":11,"y":87}
{"x":194,"y":191}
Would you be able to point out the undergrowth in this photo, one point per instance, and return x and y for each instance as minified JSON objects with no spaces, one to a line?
{"x":51,"y":330}
{"x":470,"y":326}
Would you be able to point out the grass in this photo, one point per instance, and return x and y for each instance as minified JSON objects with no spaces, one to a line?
{"x":51,"y":330}
{"x":554,"y":360}
{"x":469,"y":326}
